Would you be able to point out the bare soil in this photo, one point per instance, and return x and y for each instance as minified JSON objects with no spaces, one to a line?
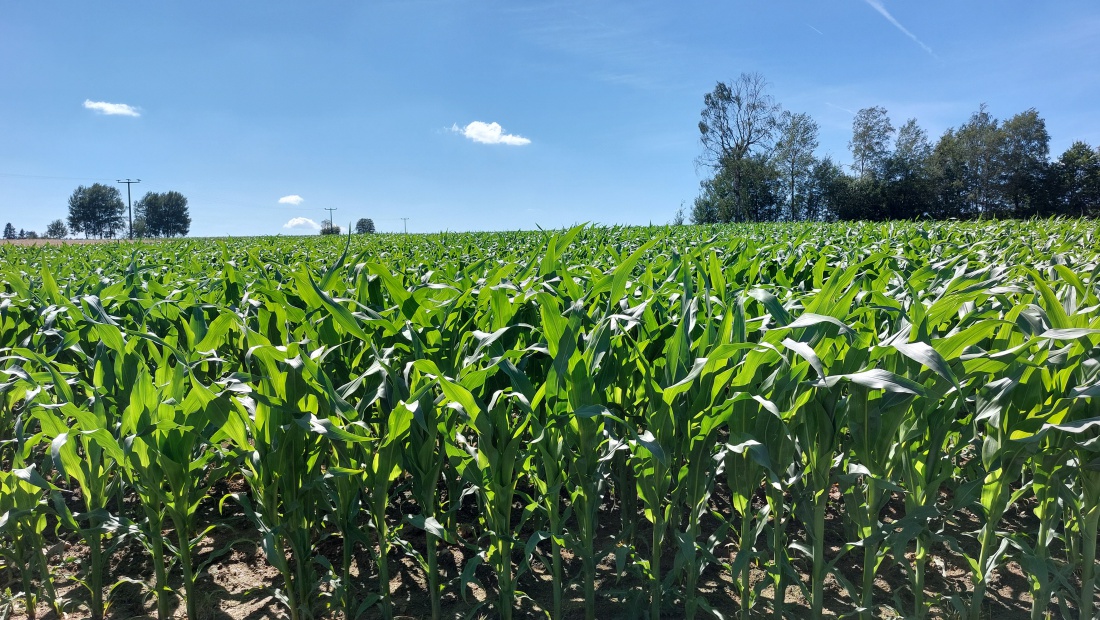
{"x":239,"y":584}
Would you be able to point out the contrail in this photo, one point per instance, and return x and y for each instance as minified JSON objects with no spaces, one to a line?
{"x":833,"y":105}
{"x":816,"y":30}
{"x":877,"y":5}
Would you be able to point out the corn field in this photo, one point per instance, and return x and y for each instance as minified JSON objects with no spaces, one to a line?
{"x":627,"y":415}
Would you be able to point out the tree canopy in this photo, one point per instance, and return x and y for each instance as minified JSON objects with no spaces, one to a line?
{"x":365,"y":226}
{"x":96,"y":211}
{"x":56,"y":230}
{"x":328,"y":228}
{"x":162,"y":215}
{"x":762,"y":166}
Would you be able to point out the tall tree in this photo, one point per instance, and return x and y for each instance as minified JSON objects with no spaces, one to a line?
{"x":9,"y":231}
{"x":870,"y":144}
{"x":979,"y":142}
{"x":365,"y":226}
{"x":909,"y":186}
{"x":1022,"y":163}
{"x":737,"y":122}
{"x":164,"y":214}
{"x":736,"y":119}
{"x":912,"y":146}
{"x":947,"y":168}
{"x":796,"y":140}
{"x":825,"y":191}
{"x":96,"y":211}
{"x":1078,"y":181}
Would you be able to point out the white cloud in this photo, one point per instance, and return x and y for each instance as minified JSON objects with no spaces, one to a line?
{"x":877,"y":5}
{"x":489,"y":133}
{"x":302,"y":222}
{"x":111,"y":109}
{"x":293,"y":199}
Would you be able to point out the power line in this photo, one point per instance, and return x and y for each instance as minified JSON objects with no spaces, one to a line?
{"x":128,"y":183}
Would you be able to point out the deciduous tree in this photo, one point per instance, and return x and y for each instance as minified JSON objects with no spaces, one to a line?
{"x":870,"y":144}
{"x":164,"y":214}
{"x":1078,"y":181}
{"x":747,"y":190}
{"x":365,"y":226}
{"x":796,"y":139}
{"x":737,"y":122}
{"x":1022,"y":162}
{"x":96,"y":211}
{"x":908,"y":189}
{"x":979,"y":143}
{"x":826,"y":190}
{"x":56,"y":230}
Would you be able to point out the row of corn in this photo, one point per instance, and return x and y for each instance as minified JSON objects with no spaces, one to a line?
{"x":657,"y":406}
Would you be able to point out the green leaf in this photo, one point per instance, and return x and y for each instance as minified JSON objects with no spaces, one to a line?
{"x":877,"y":379}
{"x":923,"y":353}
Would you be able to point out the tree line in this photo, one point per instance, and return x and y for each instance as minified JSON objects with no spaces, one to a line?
{"x":54,"y":230}
{"x":764,"y":168}
{"x":363,"y":226}
{"x":98,"y":211}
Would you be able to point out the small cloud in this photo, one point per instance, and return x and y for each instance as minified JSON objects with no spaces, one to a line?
{"x":489,"y":133}
{"x":302,"y":222}
{"x":111,"y":109}
{"x":293,"y":199}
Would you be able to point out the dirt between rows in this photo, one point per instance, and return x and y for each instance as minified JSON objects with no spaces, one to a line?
{"x":239,"y":584}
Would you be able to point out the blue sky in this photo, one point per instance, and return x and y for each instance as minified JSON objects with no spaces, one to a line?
{"x":370,"y":107}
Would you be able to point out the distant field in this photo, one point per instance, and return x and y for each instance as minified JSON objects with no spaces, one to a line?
{"x":897,"y":420}
{"x":56,"y":241}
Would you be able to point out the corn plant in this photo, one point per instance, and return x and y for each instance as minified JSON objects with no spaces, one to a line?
{"x":551,"y":375}
{"x":497,"y":453}
{"x":23,"y":521}
{"x":171,"y":464}
{"x":280,"y":429}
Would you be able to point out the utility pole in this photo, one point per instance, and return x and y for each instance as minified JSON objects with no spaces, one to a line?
{"x":129,"y":206}
{"x":330,"y":222}
{"x":405,"y":221}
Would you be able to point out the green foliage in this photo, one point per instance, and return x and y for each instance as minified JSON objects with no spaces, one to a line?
{"x":364,"y":226}
{"x":57,"y":230}
{"x":870,"y":144}
{"x":1076,"y":181}
{"x":985,"y":168}
{"x":674,"y":401}
{"x":745,"y":190}
{"x":162,"y":215}
{"x":96,"y":211}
